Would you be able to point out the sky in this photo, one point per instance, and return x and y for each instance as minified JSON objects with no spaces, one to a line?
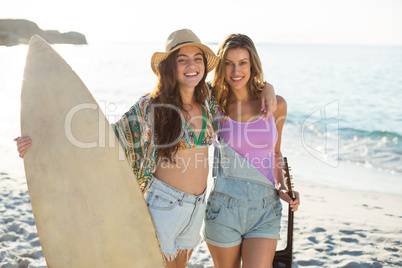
{"x":356,"y":22}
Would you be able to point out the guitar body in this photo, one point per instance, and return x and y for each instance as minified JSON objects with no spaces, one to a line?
{"x":284,"y":258}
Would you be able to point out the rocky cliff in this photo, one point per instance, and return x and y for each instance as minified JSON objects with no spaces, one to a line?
{"x":14,"y":32}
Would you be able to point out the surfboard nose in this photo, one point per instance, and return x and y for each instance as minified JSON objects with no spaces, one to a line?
{"x":36,"y":39}
{"x":41,"y":56}
{"x":37,"y":43}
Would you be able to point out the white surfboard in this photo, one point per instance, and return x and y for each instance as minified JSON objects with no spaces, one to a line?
{"x":88,"y":208}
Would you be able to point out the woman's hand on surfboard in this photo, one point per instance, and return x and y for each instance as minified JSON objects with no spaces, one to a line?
{"x":294,"y":204}
{"x":23,"y":143}
{"x":268,"y":100}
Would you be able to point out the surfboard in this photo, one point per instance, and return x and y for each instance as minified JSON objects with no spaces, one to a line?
{"x":87,"y":205}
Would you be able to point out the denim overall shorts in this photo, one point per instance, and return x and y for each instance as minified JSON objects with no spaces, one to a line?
{"x":242,"y":204}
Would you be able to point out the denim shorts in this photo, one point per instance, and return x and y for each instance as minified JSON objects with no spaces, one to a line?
{"x":243,"y":203}
{"x":229,"y":220}
{"x":177,"y":217}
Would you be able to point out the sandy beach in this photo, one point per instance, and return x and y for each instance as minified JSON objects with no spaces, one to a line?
{"x":334,"y":227}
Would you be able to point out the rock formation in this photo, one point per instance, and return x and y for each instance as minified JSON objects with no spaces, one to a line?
{"x":14,"y":32}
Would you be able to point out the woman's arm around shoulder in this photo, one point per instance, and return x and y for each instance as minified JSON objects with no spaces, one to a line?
{"x":268,"y":100}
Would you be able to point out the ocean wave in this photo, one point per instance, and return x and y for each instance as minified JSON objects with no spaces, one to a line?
{"x":372,"y":149}
{"x":380,"y":149}
{"x":376,"y":134}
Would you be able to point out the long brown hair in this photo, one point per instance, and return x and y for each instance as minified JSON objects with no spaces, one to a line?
{"x":220,"y":85}
{"x":168,"y":106}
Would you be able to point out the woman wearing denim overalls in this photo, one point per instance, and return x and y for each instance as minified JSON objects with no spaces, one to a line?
{"x":242,"y":219}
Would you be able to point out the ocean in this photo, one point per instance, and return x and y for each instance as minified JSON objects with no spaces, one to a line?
{"x":343,"y":101}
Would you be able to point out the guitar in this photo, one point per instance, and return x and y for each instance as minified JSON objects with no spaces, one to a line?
{"x":284,"y":258}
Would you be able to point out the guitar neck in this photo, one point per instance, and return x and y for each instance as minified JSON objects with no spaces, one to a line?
{"x":284,"y":258}
{"x":289,"y":184}
{"x":290,"y":231}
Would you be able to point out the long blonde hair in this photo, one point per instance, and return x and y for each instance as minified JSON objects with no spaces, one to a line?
{"x":220,"y":85}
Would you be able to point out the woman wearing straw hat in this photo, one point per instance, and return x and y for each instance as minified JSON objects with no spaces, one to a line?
{"x":165,"y":136}
{"x":243,"y":214}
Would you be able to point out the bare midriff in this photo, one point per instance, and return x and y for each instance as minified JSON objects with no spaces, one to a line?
{"x":190,"y":172}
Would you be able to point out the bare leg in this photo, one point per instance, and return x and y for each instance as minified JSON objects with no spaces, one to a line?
{"x":225,"y":257}
{"x":181,"y":260}
{"x":258,"y":252}
{"x":170,"y":264}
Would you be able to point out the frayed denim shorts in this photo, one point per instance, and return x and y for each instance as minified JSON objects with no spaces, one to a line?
{"x":177,"y":217}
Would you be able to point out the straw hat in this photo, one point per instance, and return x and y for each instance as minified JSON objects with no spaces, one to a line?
{"x":179,"y":39}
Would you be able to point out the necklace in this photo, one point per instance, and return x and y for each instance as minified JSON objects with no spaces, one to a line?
{"x":187,"y":110}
